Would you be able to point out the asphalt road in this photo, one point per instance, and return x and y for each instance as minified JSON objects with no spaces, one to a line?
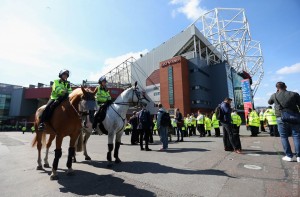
{"x":196,"y":167}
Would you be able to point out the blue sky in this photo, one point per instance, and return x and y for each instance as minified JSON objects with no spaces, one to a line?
{"x":39,"y":38}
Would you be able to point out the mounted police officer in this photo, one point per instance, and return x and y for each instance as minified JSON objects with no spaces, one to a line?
{"x":103,"y":99}
{"x":60,"y":91}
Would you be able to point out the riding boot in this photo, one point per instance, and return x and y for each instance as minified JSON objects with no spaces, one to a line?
{"x":57,"y":156}
{"x":71,"y":154}
{"x":116,"y":152}
{"x":110,"y":148}
{"x":41,"y":126}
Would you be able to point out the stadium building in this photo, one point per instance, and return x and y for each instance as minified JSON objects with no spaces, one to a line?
{"x":194,"y":70}
{"x":197,"y":68}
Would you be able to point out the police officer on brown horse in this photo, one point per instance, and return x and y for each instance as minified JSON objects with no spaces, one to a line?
{"x":60,"y":91}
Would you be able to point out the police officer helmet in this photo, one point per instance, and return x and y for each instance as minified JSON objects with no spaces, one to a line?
{"x":64,"y":72}
{"x":103,"y":78}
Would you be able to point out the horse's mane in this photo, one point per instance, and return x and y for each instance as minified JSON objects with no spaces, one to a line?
{"x":75,"y":93}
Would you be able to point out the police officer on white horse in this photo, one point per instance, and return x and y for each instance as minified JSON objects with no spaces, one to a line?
{"x":103,"y":99}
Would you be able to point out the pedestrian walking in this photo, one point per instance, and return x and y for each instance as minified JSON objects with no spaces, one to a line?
{"x":144,"y":127}
{"x":134,"y":132}
{"x":163,"y":124}
{"x":179,"y":121}
{"x":287,"y":103}
{"x":230,"y":140}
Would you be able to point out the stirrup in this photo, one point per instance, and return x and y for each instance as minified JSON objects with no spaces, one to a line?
{"x":41,"y":127}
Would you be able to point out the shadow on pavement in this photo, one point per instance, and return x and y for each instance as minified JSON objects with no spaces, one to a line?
{"x":87,"y":183}
{"x":247,"y":151}
{"x":140,"y":167}
{"x":181,"y":150}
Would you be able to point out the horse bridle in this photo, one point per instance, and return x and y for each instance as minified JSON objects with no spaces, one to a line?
{"x":135,"y":91}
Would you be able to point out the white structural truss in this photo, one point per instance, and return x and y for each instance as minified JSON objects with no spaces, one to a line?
{"x":227,"y":29}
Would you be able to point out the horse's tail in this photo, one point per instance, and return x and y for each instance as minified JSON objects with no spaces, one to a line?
{"x":35,"y":140}
{"x":79,"y":146}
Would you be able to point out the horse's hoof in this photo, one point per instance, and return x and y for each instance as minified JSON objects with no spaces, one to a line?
{"x":118,"y":160}
{"x":39,"y":168}
{"x":87,"y":158}
{"x":46,"y":165}
{"x":53,"y":177}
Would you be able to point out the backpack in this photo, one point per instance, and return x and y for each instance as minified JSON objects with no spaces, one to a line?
{"x":165,"y":119}
{"x":219,"y":113}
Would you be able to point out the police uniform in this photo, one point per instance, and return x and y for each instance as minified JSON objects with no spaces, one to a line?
{"x":60,"y":91}
{"x":270,"y":116}
{"x":254,"y":123}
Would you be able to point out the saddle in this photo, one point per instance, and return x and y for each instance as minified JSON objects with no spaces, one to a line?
{"x":47,"y":113}
{"x":100,"y":116}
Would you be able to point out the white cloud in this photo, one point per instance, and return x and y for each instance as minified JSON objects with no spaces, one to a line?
{"x":261,"y":101}
{"x":111,"y":63}
{"x":31,"y":51}
{"x":295,"y":68}
{"x":190,"y":8}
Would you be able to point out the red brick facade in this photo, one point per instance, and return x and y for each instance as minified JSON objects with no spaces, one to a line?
{"x":180,"y":84}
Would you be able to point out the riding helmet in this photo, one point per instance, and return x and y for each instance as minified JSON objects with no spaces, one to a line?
{"x":63,"y":72}
{"x":103,"y":78}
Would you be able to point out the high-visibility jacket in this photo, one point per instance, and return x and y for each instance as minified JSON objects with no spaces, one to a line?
{"x":60,"y":88}
{"x":261,"y":116}
{"x":200,"y":119}
{"x":193,"y":121}
{"x":102,"y":95}
{"x":32,"y":129}
{"x":23,"y":128}
{"x":155,"y":125}
{"x":128,"y":126}
{"x":173,"y":122}
{"x":270,"y":116}
{"x":254,"y":119}
{"x":236,"y":119}
{"x":207,"y":124}
{"x":215,"y":121}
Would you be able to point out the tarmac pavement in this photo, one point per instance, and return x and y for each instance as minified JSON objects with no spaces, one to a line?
{"x":195,"y":167}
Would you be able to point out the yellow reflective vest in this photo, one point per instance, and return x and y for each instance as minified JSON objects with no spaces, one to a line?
{"x":102,"y":95}
{"x":193,"y":121}
{"x":254,"y":119}
{"x":155,"y":125}
{"x":261,"y":116}
{"x":207,"y":124}
{"x":236,"y":119}
{"x":173,"y":122}
{"x":270,"y":116}
{"x":60,"y":88}
{"x":215,"y":121}
{"x":200,"y":119}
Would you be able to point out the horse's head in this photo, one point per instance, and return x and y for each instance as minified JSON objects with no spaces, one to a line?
{"x":88,"y":101}
{"x":138,"y":97}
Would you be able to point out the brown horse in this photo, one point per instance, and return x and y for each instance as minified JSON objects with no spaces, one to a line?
{"x":65,"y":121}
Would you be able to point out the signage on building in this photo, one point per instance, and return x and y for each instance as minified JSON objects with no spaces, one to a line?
{"x":170,"y":62}
{"x":247,"y":96}
{"x":171,"y":85}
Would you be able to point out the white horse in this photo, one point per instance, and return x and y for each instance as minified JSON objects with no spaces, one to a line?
{"x":115,"y":121}
{"x":87,"y":110}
